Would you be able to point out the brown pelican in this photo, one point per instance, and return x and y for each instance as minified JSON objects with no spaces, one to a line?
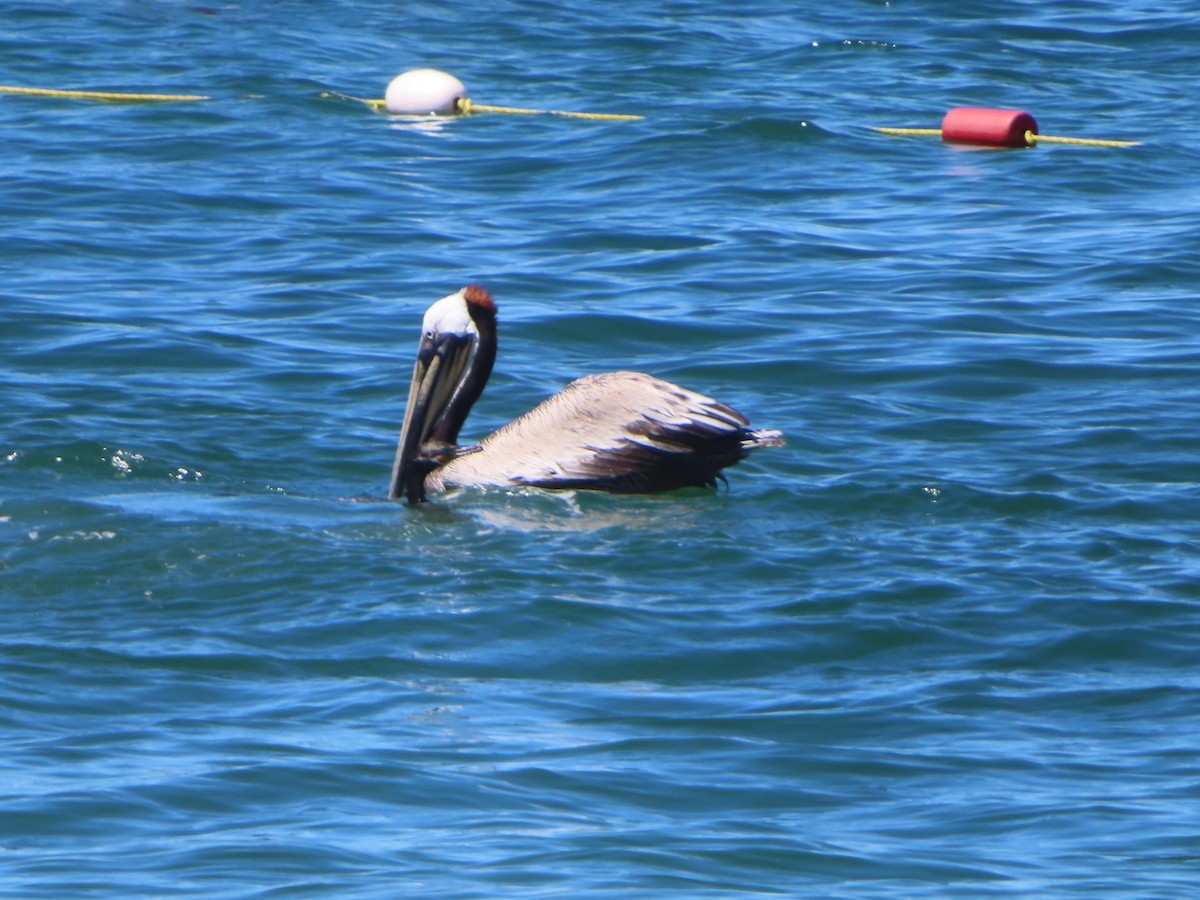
{"x":622,"y":432}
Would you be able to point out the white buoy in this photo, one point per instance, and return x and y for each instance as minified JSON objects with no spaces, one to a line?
{"x":424,"y":92}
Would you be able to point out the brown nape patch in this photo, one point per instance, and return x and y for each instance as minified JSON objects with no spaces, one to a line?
{"x":477,"y":296}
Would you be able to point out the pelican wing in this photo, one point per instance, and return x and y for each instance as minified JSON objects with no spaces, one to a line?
{"x":623,"y":432}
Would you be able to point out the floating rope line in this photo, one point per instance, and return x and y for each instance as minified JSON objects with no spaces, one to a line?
{"x":104,"y":96}
{"x":996,"y":128}
{"x":467,"y":106}
{"x":910,"y":132}
{"x":429,"y":92}
{"x":1078,"y":142}
{"x":377,"y":105}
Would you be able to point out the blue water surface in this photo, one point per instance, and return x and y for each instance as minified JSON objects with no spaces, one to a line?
{"x":942,"y":644}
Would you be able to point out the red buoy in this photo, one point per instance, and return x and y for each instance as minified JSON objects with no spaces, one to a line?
{"x":990,"y":127}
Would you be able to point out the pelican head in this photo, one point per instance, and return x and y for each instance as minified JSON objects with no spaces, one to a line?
{"x":454,"y":359}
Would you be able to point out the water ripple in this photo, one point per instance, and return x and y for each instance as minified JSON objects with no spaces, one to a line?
{"x":940,"y":644}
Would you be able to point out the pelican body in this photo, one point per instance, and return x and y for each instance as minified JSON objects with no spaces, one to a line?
{"x":622,"y":432}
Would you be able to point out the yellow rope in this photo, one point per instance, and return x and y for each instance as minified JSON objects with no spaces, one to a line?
{"x":466,"y":107}
{"x":1031,"y":138}
{"x":99,"y":95}
{"x":911,"y":132}
{"x":377,"y":105}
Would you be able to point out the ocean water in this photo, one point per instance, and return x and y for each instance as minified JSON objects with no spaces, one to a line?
{"x":942,"y":644}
